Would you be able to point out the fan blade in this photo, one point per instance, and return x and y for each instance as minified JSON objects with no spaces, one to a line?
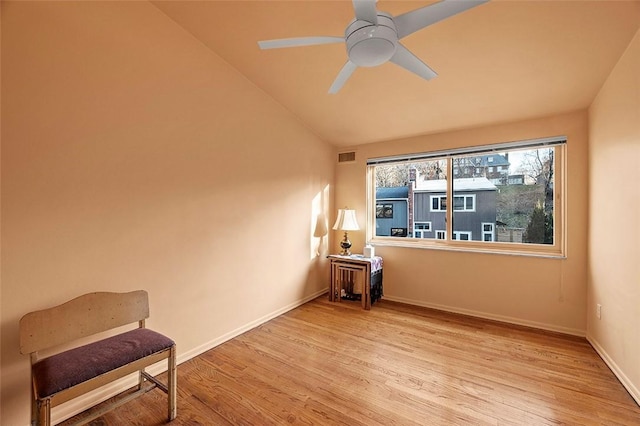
{"x":415,"y":20}
{"x":366,"y":10}
{"x":342,"y":77}
{"x":407,"y":60}
{"x":296,"y":42}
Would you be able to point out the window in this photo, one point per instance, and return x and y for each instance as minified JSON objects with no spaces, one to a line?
{"x":398,"y":232}
{"x":462,"y":235}
{"x":453,"y":205}
{"x":384,"y":211}
{"x":464,"y":203}
{"x":438,"y":203}
{"x":421,"y":229}
{"x":487,"y":232}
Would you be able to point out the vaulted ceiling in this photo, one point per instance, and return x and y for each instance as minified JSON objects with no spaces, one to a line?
{"x":501,"y":61}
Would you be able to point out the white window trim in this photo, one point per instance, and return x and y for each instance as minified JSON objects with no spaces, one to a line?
{"x":464,"y":202}
{"x":421,"y":231}
{"x":439,"y":198}
{"x":457,"y":234}
{"x":492,"y":232}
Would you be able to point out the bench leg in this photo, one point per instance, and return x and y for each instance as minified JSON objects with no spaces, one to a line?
{"x":140,"y":379}
{"x":44,"y":413}
{"x":172,"y":384}
{"x":34,"y":407}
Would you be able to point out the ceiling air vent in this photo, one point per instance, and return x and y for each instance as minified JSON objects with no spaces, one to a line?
{"x":347,"y":157}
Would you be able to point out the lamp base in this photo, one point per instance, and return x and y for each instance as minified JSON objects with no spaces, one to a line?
{"x":345,"y":244}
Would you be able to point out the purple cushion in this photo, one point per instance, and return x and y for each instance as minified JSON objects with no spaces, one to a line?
{"x":67,"y":369}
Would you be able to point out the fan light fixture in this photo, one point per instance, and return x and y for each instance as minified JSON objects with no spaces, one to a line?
{"x":371,"y":45}
{"x":372,"y":37}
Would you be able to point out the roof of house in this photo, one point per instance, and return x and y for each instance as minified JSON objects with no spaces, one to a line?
{"x":393,"y":192}
{"x":462,"y":184}
{"x":490,"y":160}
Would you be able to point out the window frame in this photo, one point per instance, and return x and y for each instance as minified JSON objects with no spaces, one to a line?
{"x":555,"y":250}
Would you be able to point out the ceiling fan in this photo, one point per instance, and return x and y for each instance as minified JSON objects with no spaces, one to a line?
{"x":372,"y":38}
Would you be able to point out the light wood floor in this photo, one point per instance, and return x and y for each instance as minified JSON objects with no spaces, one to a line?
{"x":335,"y":364}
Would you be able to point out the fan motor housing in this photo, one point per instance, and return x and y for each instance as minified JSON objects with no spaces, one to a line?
{"x":370,"y":45}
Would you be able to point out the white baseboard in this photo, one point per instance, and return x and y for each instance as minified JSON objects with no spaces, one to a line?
{"x":485,"y":315}
{"x":238,"y":331}
{"x":617,"y":371}
{"x":83,"y":402}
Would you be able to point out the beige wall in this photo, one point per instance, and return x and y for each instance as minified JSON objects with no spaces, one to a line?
{"x":133,"y":157}
{"x":542,"y":292}
{"x":614,"y":222}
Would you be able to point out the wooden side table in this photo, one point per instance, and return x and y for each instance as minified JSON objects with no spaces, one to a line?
{"x":355,"y":277}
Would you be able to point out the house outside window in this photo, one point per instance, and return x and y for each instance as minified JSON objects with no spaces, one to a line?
{"x":479,"y":201}
{"x":391,"y":211}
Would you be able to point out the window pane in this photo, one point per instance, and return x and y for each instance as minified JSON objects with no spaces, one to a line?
{"x":426,"y":182}
{"x":511,"y":189}
{"x":458,"y":203}
{"x":468,"y":203}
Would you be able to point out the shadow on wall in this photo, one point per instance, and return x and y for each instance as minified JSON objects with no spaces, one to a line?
{"x":319,"y":228}
{"x":317,"y":278}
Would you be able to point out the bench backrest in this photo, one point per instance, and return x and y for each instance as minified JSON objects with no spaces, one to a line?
{"x":81,"y":317}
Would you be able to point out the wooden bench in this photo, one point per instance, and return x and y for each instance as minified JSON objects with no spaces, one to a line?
{"x":73,"y":372}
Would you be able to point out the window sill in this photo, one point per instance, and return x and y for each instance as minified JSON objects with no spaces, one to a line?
{"x":505,"y":249}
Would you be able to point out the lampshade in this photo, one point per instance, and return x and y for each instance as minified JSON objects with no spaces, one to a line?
{"x":346,"y":221}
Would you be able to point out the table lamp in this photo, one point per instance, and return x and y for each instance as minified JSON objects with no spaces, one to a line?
{"x":346,"y":221}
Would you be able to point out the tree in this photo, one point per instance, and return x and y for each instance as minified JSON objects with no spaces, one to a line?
{"x":388,"y":176}
{"x":392,"y":175}
{"x":537,"y":165}
{"x":540,"y":227}
{"x":465,"y":166}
